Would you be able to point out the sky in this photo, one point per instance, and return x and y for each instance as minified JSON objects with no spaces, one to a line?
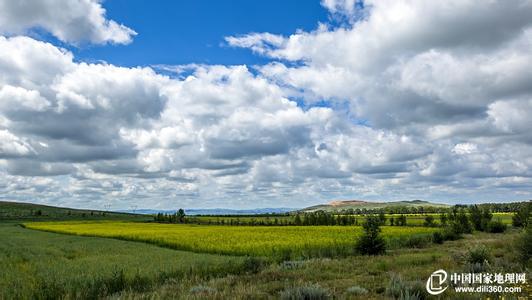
{"x":247,"y":104}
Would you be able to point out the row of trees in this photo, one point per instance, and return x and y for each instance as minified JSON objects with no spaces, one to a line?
{"x":493,"y":207}
{"x":177,"y":217}
{"x":470,"y":217}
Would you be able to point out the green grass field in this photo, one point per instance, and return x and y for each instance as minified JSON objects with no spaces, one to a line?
{"x":43,"y":265}
{"x":34,"y":212}
{"x":339,"y":277}
{"x":266,"y":241}
{"x":120,"y":256}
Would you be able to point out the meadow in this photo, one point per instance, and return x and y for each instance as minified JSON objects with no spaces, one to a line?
{"x":279,"y":242}
{"x":73,"y":254}
{"x":42,"y":265}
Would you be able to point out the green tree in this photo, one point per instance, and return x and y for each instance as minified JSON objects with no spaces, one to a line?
{"x":180,"y":216}
{"x":401,"y":220}
{"x":382,"y":218}
{"x":297,"y":220}
{"x":371,"y":241}
{"x":475,"y":215}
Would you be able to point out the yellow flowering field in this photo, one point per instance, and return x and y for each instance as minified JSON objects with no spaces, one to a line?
{"x":266,"y":241}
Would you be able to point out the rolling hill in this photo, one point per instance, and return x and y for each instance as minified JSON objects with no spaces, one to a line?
{"x":338,"y":205}
{"x":18,"y":210}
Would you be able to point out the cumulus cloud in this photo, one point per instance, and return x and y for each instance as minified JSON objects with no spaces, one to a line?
{"x":407,"y":99}
{"x":74,"y":22}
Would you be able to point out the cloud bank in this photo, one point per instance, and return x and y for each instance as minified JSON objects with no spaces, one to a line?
{"x":397,"y":100}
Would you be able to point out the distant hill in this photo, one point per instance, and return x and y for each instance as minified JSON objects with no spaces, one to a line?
{"x":30,"y":211}
{"x":218,"y":211}
{"x":338,"y":205}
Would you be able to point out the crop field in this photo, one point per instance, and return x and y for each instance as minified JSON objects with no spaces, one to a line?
{"x":43,"y":265}
{"x":282,"y":242}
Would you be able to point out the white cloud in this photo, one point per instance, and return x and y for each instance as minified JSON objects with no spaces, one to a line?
{"x":423,"y":99}
{"x":74,"y":21}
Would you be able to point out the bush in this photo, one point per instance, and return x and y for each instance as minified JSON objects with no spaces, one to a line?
{"x":357,"y":291}
{"x":438,"y":238}
{"x":496,"y":226}
{"x":522,"y":215}
{"x":524,"y":244}
{"x":371,"y":242}
{"x":479,"y":255}
{"x":449,"y":234}
{"x":429,"y":221}
{"x":399,"y":289}
{"x":253,"y":264}
{"x":417,"y":241}
{"x":309,"y":292}
{"x":401,"y":220}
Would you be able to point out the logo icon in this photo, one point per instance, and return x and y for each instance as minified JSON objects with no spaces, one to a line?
{"x":436,"y":282}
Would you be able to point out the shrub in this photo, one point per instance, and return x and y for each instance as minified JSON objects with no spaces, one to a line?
{"x":429,"y":221}
{"x":475,"y":215}
{"x":357,"y":291}
{"x":496,"y":226}
{"x":478,"y":255}
{"x":437,"y":237}
{"x":371,"y":242}
{"x":524,"y":244}
{"x":449,"y":234}
{"x":401,"y":220}
{"x":308,"y":292}
{"x":396,"y":286}
{"x":522,"y":216}
{"x":399,"y":289}
{"x":253,"y":264}
{"x":417,"y":241}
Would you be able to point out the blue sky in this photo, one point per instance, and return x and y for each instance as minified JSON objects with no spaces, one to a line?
{"x":183,"y":32}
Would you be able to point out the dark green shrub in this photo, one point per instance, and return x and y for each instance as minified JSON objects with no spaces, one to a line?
{"x":522,"y":216}
{"x":438,"y":238}
{"x":308,"y":292}
{"x":478,"y":255}
{"x":253,"y":264}
{"x":496,"y":226}
{"x":475,"y":215}
{"x":524,"y":245}
{"x":417,"y":241}
{"x":401,"y":220}
{"x":371,"y":242}
{"x":449,"y":234}
{"x":429,"y":221}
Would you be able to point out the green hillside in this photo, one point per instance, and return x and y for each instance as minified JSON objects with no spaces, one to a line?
{"x":30,"y":211}
{"x":360,"y":204}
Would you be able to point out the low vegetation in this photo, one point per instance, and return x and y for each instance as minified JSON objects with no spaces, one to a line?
{"x":42,"y":265}
{"x":367,"y":256}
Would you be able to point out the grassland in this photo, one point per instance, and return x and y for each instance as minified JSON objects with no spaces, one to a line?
{"x":43,"y":265}
{"x":35,"y":212}
{"x":119,"y":257}
{"x":280,"y":242}
{"x":338,"y":277}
